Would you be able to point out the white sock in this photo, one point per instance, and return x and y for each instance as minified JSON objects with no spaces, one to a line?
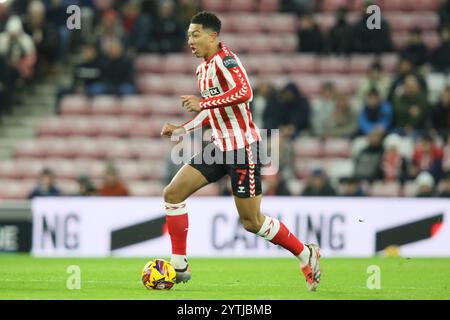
{"x":304,"y":256}
{"x":178,"y":261}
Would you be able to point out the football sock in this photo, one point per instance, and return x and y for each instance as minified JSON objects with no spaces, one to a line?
{"x":276,"y":232}
{"x":177,"y":225}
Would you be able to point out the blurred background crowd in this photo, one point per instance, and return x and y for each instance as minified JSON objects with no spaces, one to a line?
{"x":361,"y":112}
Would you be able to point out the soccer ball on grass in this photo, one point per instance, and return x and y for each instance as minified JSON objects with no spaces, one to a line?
{"x":158,"y":274}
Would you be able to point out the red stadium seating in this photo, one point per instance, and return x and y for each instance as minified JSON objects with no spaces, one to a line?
{"x":75,"y":104}
{"x":385,"y":189}
{"x":268,"y":6}
{"x":105,"y":105}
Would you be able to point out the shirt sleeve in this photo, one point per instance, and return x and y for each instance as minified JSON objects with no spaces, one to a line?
{"x":239,"y":92}
{"x":200,"y":120}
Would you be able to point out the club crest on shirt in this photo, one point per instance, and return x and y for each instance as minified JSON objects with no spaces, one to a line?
{"x":229,"y":62}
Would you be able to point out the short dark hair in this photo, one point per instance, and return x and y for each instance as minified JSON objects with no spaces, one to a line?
{"x":207,"y":20}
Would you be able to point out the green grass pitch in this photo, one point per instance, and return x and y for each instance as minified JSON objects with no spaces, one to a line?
{"x":24,"y":277}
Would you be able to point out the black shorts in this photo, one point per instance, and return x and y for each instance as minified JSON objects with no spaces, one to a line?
{"x":242,"y":165}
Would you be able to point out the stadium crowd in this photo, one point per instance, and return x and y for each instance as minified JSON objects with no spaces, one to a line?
{"x":34,"y":40}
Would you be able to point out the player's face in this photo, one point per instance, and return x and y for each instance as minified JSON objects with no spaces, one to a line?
{"x":200,"y":40}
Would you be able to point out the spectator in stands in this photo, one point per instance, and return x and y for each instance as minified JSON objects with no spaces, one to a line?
{"x":85,"y":74}
{"x":410,"y":107}
{"x":109,"y":31}
{"x":405,"y":68}
{"x":265,"y":106}
{"x":318,"y":185}
{"x":425,"y":185}
{"x":440,"y":57}
{"x":299,"y":7}
{"x":85,"y":186}
{"x":19,"y":50}
{"x":4,"y":92}
{"x":112,"y":184}
{"x":444,"y":14}
{"x":137,"y":26}
{"x":446,"y":155}
{"x":368,"y":162}
{"x":186,"y":9}
{"x":415,"y":50}
{"x":375,"y":115}
{"x":351,"y":187}
{"x":293,"y":110}
{"x":310,"y":38}
{"x":4,"y":15}
{"x":323,"y":109}
{"x":117,"y":73}
{"x":275,"y":186}
{"x":427,"y":156}
{"x":441,"y":112}
{"x":393,"y":164}
{"x":46,"y":186}
{"x":376,"y":79}
{"x":445,"y":190}
{"x":340,"y":35}
{"x":57,"y":16}
{"x":367,"y":40}
{"x":45,"y":35}
{"x":344,"y":122}
{"x":167,"y":32}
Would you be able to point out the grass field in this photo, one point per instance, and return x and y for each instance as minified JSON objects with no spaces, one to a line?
{"x":23,"y":277}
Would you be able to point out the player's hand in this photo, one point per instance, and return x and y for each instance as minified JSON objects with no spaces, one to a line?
{"x":169,"y":130}
{"x":191,"y":103}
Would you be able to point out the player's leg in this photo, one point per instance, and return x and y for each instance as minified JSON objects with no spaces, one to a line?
{"x":276,"y":232}
{"x":184,"y":183}
{"x":189,"y":179}
{"x":246,"y":185}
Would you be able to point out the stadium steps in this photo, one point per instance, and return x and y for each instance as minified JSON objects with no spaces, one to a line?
{"x":37,"y":104}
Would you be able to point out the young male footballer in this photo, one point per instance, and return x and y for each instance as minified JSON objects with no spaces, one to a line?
{"x":224,"y":106}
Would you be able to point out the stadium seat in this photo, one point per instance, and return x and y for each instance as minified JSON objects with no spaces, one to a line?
{"x":155,"y":84}
{"x":304,"y":63}
{"x":247,"y":23}
{"x":27,"y":149}
{"x":333,"y":64}
{"x":385,"y":189}
{"x":29,"y":168}
{"x":400,"y":22}
{"x":333,"y":5}
{"x":283,"y":43}
{"x":268,"y":6}
{"x":135,"y":105}
{"x":309,"y":85}
{"x":128,"y":170}
{"x":13,"y":189}
{"x":180,"y":63}
{"x":280,"y":23}
{"x":360,"y":63}
{"x":67,"y":186}
{"x":8,"y":170}
{"x":241,"y":6}
{"x":389,"y":61}
{"x":105,"y":105}
{"x":296,"y":186}
{"x":394,"y":5}
{"x":149,"y":63}
{"x":75,"y":105}
{"x":339,"y":168}
{"x":116,"y":148}
{"x":52,"y":127}
{"x":410,"y":189}
{"x":215,"y":5}
{"x":324,"y":21}
{"x":306,"y":147}
{"x":62,"y":169}
{"x":92,"y":168}
{"x":304,"y":168}
{"x":337,"y":147}
{"x":149,"y":149}
{"x":145,"y":188}
{"x":89,"y":149}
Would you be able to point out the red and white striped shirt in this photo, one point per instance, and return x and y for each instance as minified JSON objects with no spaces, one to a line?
{"x":226,"y":94}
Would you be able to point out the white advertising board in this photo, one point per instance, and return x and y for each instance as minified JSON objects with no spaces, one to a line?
{"x":342,"y":226}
